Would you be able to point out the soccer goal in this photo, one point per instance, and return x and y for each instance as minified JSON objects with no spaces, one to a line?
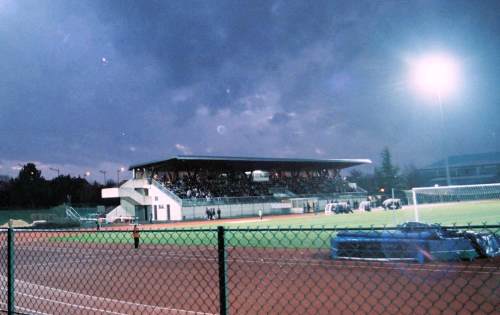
{"x":475,"y":204}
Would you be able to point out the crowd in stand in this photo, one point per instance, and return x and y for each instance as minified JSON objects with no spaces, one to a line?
{"x":241,"y":185}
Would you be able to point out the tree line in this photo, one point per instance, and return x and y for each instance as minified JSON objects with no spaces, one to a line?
{"x":31,"y":190}
{"x":387,"y":176}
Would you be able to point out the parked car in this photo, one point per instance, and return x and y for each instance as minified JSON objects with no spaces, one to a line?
{"x":338,"y":207}
{"x":391,"y":204}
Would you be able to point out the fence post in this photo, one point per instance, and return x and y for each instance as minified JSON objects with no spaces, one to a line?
{"x":10,"y":271}
{"x":222,"y":270}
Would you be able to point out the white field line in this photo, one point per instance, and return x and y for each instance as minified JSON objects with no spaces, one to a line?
{"x":88,"y":308}
{"x":248,"y":221}
{"x":70,"y":294}
{"x":24,"y":309}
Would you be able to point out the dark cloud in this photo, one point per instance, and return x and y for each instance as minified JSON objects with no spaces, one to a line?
{"x":88,"y":83}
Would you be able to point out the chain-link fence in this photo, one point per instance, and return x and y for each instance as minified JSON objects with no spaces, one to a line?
{"x":412,"y":269}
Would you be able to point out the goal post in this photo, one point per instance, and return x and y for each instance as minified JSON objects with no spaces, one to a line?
{"x":459,"y":202}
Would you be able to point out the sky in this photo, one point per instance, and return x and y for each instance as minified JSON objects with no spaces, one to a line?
{"x":98,"y":85}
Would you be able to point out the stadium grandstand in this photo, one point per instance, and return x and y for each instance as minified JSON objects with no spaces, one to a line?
{"x":190,"y":187}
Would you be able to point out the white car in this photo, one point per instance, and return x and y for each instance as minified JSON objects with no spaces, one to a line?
{"x":338,"y":207}
{"x":392,"y":204}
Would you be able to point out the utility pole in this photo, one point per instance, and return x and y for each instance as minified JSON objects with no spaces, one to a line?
{"x":55,"y":170}
{"x":104,"y":174}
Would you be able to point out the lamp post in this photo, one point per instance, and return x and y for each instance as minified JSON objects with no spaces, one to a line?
{"x":55,"y":170}
{"x":104,"y":174}
{"x":437,"y":75}
{"x":118,"y":171}
{"x":443,"y":142}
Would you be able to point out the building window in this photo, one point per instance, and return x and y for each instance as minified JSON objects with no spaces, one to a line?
{"x":156,"y":198}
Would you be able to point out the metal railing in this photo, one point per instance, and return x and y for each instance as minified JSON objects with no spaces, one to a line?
{"x":250,"y":271}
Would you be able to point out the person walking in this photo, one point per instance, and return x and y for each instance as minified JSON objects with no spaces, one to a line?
{"x":218,"y":213}
{"x":136,"y":236}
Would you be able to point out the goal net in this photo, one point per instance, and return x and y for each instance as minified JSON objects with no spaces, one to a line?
{"x":465,"y":204}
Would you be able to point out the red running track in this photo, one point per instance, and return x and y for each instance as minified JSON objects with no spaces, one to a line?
{"x":71,"y":278}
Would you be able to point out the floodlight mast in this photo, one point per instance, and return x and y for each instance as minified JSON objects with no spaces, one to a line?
{"x":437,"y":74}
{"x":103,"y":172}
{"x":443,"y":144}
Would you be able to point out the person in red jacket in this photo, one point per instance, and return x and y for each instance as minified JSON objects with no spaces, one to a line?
{"x":136,"y":236}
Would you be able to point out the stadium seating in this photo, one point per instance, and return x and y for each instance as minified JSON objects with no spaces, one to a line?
{"x":226,"y":185}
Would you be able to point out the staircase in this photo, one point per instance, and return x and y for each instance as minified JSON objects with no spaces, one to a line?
{"x":166,"y":191}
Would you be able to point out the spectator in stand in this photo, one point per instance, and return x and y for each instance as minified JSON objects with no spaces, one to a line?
{"x":235,"y":185}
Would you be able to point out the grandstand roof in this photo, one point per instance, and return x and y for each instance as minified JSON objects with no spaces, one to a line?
{"x":183,"y":162}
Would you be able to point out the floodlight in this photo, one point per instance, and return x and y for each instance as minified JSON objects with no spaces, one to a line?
{"x":436,"y":74}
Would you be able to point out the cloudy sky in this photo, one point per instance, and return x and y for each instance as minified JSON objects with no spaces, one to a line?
{"x":90,"y":85}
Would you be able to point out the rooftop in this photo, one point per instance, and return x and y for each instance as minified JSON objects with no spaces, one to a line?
{"x":182,"y":162}
{"x":468,"y":160}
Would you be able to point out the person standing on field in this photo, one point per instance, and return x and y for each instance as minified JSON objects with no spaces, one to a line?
{"x":260,"y":214}
{"x":136,"y":236}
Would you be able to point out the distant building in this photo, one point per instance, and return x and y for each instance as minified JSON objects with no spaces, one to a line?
{"x":467,"y":169}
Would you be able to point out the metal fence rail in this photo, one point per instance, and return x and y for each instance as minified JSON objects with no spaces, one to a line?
{"x":249,"y":271}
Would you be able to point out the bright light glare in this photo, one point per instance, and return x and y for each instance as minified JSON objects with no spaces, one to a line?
{"x":436,"y":74}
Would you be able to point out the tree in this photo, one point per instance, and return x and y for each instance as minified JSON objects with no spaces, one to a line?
{"x":29,"y":188}
{"x":412,"y":177}
{"x":387,"y":175}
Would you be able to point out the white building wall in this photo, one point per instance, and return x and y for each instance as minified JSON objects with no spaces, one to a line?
{"x":162,"y":202}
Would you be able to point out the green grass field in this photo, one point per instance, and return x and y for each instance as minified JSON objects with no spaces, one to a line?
{"x":460,"y":214}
